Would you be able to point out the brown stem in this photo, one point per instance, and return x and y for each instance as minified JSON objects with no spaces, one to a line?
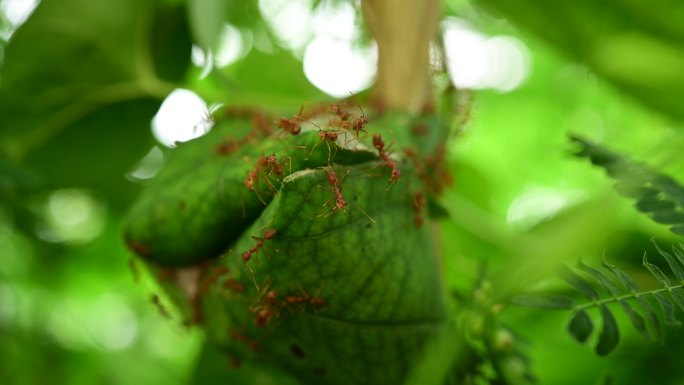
{"x":403,"y":30}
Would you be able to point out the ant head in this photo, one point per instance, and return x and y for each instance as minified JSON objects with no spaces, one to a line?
{"x":270,"y":234}
{"x":246,"y":256}
{"x":377,"y":141}
{"x":395,"y":173}
{"x":341,"y":202}
{"x":317,"y":301}
{"x":332,"y":177}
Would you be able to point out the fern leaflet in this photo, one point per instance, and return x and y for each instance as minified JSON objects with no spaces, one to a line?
{"x":641,"y":307}
{"x":657,"y":195}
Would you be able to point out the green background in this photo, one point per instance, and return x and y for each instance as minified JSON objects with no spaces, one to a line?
{"x":81,"y":80}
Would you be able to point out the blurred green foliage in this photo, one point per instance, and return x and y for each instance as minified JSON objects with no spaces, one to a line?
{"x":80,"y":82}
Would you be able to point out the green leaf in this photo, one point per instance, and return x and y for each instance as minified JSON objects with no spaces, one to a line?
{"x":616,"y":39}
{"x":633,"y":189}
{"x":650,"y":205}
{"x":170,"y":42}
{"x":678,"y":297}
{"x":646,"y":307}
{"x":207,"y":18}
{"x":668,"y":309}
{"x":679,"y":230}
{"x":658,"y":196}
{"x":184,"y":218}
{"x":581,"y":326}
{"x":668,"y":217}
{"x":610,"y":335}
{"x":670,"y":188}
{"x":674,"y":265}
{"x":260,"y":82}
{"x":577,"y":282}
{"x":374,"y":269}
{"x":545,"y":301}
{"x":636,"y":318}
{"x":624,"y":278}
{"x":76,"y":107}
{"x":656,"y":272}
{"x":678,"y":254}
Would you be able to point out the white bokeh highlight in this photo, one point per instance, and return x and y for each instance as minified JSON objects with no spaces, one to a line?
{"x":476,"y":61}
{"x":181,"y":117}
{"x":539,"y":203}
{"x":337,"y":67}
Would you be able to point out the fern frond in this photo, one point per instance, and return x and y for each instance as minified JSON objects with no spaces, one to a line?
{"x":641,"y":307}
{"x":657,"y":195}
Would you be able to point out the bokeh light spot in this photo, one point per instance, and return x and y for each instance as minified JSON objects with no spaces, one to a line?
{"x":66,"y":325}
{"x":148,"y":166}
{"x":112,"y":323}
{"x":337,"y":67}
{"x":17,"y":11}
{"x":180,"y":118}
{"x":72,"y":216}
{"x":537,"y":204}
{"x":289,"y":20}
{"x":475,"y":61}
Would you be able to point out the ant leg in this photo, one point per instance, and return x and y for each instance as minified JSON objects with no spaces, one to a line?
{"x":312,"y":150}
{"x":259,"y":196}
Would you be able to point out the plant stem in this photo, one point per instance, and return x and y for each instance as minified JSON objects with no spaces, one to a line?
{"x":403,"y":30}
{"x":623,"y":297}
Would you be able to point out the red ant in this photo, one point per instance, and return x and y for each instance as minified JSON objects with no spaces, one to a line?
{"x":268,"y":235}
{"x":420,"y":167}
{"x":268,"y":165}
{"x":326,"y":136}
{"x":359,"y":123}
{"x":336,"y":109}
{"x":212,"y":278}
{"x":157,"y":303}
{"x":418,"y":204}
{"x":293,"y":126}
{"x":234,"y":285}
{"x":133,"y":266}
{"x":315,"y":301}
{"x":265,"y":312}
{"x":241,"y":337}
{"x":380,"y":145}
{"x":340,"y":202}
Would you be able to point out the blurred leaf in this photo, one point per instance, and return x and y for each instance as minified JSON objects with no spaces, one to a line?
{"x":580,"y":326}
{"x":170,"y":42}
{"x":85,"y":95}
{"x":658,"y":195}
{"x":545,"y":301}
{"x":216,"y":367}
{"x":206,"y":19}
{"x":610,"y":336}
{"x":270,"y":78}
{"x":621,"y":40}
{"x":577,"y":282}
{"x":15,"y":180}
